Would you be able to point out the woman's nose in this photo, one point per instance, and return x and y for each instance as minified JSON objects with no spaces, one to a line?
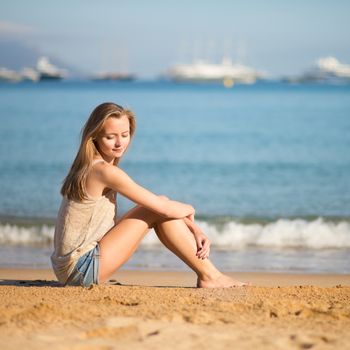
{"x":117,"y":141}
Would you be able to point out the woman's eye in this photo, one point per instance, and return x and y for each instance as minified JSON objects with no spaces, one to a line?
{"x":109,"y":137}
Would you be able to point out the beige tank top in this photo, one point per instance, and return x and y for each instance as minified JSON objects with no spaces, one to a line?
{"x":79,"y":227}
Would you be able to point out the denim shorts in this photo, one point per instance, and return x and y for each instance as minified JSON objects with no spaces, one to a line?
{"x":86,"y":270}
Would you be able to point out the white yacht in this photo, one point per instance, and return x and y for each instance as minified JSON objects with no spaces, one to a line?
{"x":330,"y":65}
{"x":227,"y":72}
{"x":48,"y":71}
{"x":8,"y":75}
{"x":325,"y":69}
{"x":29,"y":74}
{"x":113,"y":76}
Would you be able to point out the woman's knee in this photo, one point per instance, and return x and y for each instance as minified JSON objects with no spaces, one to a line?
{"x":144,"y":214}
{"x":150,"y":217}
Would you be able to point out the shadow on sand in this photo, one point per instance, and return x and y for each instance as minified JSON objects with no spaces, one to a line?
{"x":30,"y":283}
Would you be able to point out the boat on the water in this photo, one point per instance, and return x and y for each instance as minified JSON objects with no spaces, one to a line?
{"x":44,"y":70}
{"x":113,"y":76}
{"x":7,"y":75}
{"x":325,"y":69}
{"x":226,"y":72}
{"x":48,"y":71}
{"x":29,"y":74}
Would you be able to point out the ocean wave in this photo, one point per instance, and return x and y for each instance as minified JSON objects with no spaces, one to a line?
{"x":17,"y":234}
{"x":282,"y":233}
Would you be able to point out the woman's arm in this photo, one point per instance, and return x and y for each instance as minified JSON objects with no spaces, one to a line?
{"x":116,"y":179}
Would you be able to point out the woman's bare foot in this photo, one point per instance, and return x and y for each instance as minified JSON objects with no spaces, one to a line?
{"x":223,"y":281}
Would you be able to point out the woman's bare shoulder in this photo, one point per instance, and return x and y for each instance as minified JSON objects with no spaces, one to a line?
{"x":105,"y":170}
{"x":100,"y":165}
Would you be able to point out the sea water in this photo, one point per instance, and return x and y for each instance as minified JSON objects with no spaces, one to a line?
{"x":266,"y":166}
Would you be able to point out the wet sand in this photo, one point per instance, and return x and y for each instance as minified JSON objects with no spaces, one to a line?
{"x":157,"y":310}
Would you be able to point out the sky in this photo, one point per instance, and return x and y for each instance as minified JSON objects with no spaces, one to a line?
{"x":147,"y":37}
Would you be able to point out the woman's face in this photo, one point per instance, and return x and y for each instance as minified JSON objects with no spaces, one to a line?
{"x":114,"y":138}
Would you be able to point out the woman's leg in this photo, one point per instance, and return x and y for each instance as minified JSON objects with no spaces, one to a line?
{"x":119,"y":243}
{"x":177,"y":237}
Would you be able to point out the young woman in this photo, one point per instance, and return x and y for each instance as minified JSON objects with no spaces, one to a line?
{"x":90,"y":244}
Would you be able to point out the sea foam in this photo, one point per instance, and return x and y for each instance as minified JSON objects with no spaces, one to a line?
{"x":282,"y":233}
{"x":316,"y":234}
{"x":16,"y":234}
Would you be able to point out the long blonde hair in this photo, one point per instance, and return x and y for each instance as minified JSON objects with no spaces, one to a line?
{"x":74,"y":184}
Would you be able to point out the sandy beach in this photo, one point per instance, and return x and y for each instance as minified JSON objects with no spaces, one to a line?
{"x":157,"y":310}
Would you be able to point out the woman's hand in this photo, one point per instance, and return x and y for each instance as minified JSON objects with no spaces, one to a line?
{"x":203,"y":245}
{"x":202,"y":241}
